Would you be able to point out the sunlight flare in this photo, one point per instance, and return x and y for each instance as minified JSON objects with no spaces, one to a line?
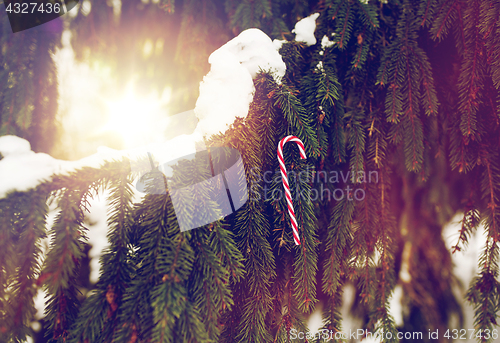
{"x":137,"y":119}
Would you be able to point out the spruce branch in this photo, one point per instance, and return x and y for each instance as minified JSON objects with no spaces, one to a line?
{"x":470,"y":222}
{"x":364,"y":40}
{"x":60,"y":266}
{"x":338,"y":246}
{"x":426,"y":10}
{"x":444,"y":17}
{"x":356,"y":139}
{"x":252,"y":229}
{"x":463,"y":151}
{"x":337,"y":136}
{"x":296,"y":116}
{"x":472,"y":71}
{"x":306,"y":256}
{"x":377,"y":142}
{"x":484,"y":292}
{"x":345,"y":19}
{"x":27,"y":216}
{"x":210,"y":284}
{"x":429,"y":98}
{"x":136,"y":316}
{"x":368,"y":14}
{"x":266,"y":115}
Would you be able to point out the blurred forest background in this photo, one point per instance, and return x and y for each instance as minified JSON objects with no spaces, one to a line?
{"x":110,"y":72}
{"x":157,"y":50}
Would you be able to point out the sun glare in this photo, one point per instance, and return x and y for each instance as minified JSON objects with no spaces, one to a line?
{"x":96,"y":112}
{"x":136,"y":119}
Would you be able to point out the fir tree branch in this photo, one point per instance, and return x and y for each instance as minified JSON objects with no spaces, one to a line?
{"x":297,"y":117}
{"x":344,"y":27}
{"x":445,"y":15}
{"x":470,"y":80}
{"x":210,"y":283}
{"x":338,"y":245}
{"x":306,"y":257}
{"x":484,"y":292}
{"x":116,"y":270}
{"x":60,"y":266}
{"x":337,"y":136}
{"x":360,"y":58}
{"x":490,"y":28}
{"x":7,"y":258}
{"x":252,"y":228}
{"x":461,"y":149}
{"x":365,"y":239}
{"x":262,"y":108}
{"x":356,"y":139}
{"x":386,"y":231}
{"x":426,"y":10}
{"x":368,"y":15}
{"x":429,"y":97}
{"x":28,"y":218}
{"x":334,"y":6}
{"x":377,"y":143}
{"x":470,"y":222}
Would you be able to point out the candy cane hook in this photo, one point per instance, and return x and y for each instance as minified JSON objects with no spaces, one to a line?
{"x":286,"y":186}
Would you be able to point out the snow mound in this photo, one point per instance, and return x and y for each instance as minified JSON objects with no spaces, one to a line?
{"x":278,"y":43}
{"x":326,"y":43}
{"x":11,"y":145}
{"x":22,"y":169}
{"x":304,"y":29}
{"x":225,"y":93}
{"x":227,"y":90}
{"x":255,"y":50}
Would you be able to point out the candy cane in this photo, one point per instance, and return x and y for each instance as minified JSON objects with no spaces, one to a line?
{"x":286,"y":186}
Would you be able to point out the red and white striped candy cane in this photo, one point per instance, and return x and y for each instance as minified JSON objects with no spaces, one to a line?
{"x":286,"y":186}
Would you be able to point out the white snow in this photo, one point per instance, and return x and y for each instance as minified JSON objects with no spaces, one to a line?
{"x":396,"y":305}
{"x":315,"y":321}
{"x":304,"y":29}
{"x":404,"y":273}
{"x":22,"y":169}
{"x":465,"y":263}
{"x":227,"y":90}
{"x":11,"y":145}
{"x":326,"y":43}
{"x":225,"y":93}
{"x":319,"y":67}
{"x":96,"y":222}
{"x":39,"y":302}
{"x":278,"y":43}
{"x":255,"y":51}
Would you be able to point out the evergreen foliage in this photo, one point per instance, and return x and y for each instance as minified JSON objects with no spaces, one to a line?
{"x":28,"y":92}
{"x":396,"y":97}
